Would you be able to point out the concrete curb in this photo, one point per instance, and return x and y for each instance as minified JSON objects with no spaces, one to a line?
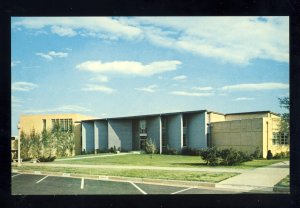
{"x":178,"y":183}
{"x":281,"y":189}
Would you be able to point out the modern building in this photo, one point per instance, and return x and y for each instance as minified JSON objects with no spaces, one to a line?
{"x":66,"y":121}
{"x":193,"y":129}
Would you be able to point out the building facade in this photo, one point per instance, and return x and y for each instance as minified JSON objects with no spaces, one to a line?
{"x":192,"y":129}
{"x":66,"y":121}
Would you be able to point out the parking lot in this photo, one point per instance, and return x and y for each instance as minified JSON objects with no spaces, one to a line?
{"x":38,"y":184}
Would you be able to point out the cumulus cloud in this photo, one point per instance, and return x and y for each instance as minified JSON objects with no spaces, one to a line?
{"x":63,"y":109}
{"x":193,"y":94}
{"x":180,"y":78}
{"x":151,"y":88}
{"x":99,"y":78}
{"x":98,"y":88}
{"x":255,"y":87}
{"x":23,"y":86}
{"x":52,"y":54}
{"x":230,"y":39}
{"x":202,"y":88}
{"x":71,"y":26}
{"x":61,"y":31}
{"x":243,"y":98}
{"x":129,"y":67}
{"x":14,"y":63}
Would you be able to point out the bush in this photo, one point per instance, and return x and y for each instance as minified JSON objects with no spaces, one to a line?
{"x":113,"y":149}
{"x":190,"y":151}
{"x":150,"y":147}
{"x":210,"y":155}
{"x":47,"y":159}
{"x":257,"y":153}
{"x":169,"y":151}
{"x":281,"y":155}
{"x":269,"y":155}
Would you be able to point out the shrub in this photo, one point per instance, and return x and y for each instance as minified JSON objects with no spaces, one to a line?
{"x":233,"y":157}
{"x":257,"y":153}
{"x":169,"y":151}
{"x":190,"y":151}
{"x":47,"y":159}
{"x":150,"y":147}
{"x":113,"y":149}
{"x":210,"y":155}
{"x":281,"y":155}
{"x":269,"y":155}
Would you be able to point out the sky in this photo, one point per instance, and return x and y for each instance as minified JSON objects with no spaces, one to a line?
{"x":123,"y":66}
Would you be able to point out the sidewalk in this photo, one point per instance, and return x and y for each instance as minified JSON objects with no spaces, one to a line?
{"x":205,"y":169}
{"x":259,"y":179}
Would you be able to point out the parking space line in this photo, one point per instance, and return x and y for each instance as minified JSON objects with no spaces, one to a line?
{"x":143,"y":192}
{"x":82,"y":183}
{"x":182,"y":190}
{"x":41,"y":179}
{"x":16,"y":175}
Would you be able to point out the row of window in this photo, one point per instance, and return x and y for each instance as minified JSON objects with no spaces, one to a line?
{"x":280,"y":138}
{"x":63,"y":124}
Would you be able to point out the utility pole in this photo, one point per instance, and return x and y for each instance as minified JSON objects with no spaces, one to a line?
{"x":19,"y":145}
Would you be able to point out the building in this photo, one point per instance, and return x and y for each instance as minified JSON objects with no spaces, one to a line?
{"x":66,"y":121}
{"x":193,"y":129}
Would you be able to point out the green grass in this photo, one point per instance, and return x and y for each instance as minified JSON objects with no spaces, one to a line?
{"x":86,"y":155}
{"x":284,"y":182}
{"x":153,"y":174}
{"x":163,"y":161}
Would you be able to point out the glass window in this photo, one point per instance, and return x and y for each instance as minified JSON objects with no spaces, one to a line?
{"x":143,"y":126}
{"x":184,"y":140}
{"x":280,"y":138}
{"x":185,"y":121}
{"x":44,"y":124}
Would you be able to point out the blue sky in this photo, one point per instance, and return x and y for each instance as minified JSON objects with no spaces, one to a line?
{"x":118,"y":66}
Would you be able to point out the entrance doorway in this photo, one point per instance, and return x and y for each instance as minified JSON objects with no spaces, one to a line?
{"x":143,"y":140}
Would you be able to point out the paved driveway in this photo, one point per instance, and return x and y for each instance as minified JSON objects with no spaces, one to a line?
{"x":37,"y":184}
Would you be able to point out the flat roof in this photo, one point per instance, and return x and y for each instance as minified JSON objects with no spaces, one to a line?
{"x":253,"y":112}
{"x":148,"y":115}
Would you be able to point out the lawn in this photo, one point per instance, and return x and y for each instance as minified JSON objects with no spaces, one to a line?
{"x":153,"y":174}
{"x":162,"y":161}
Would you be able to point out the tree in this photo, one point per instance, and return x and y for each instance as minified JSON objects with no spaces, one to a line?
{"x":25,"y":146}
{"x":285,"y":117}
{"x":35,"y":144}
{"x":150,"y":147}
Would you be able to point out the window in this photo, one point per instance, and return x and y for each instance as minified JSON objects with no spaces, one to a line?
{"x":164,"y":122}
{"x":164,"y":138}
{"x":185,"y":121}
{"x":44,"y":125}
{"x":62,"y":124}
{"x":280,"y":138}
{"x":143,"y":126}
{"x":184,"y":140}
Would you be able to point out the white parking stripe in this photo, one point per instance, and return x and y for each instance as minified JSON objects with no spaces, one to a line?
{"x":182,"y":190}
{"x":82,"y":183}
{"x":41,"y":179}
{"x":16,"y":175}
{"x":138,"y":188}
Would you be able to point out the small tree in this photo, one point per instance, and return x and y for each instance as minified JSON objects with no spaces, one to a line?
{"x":285,"y":117}
{"x":35,"y":144}
{"x":150,"y":147}
{"x":25,"y":146}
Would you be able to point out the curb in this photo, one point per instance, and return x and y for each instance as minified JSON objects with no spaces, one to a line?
{"x":177,"y":183}
{"x":281,"y":189}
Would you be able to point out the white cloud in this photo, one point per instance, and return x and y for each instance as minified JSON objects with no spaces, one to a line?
{"x":180,"y":78}
{"x":99,"y":78}
{"x":129,"y":67}
{"x":52,"y":54}
{"x":61,"y":31}
{"x":14,"y":63}
{"x":253,"y":87}
{"x":98,"y":88}
{"x":230,"y":39}
{"x":16,"y":102}
{"x":243,"y":98}
{"x":194,"y":94}
{"x":151,"y":88}
{"x":23,"y":86}
{"x":64,"y":108}
{"x":202,"y":88}
{"x":70,"y":26}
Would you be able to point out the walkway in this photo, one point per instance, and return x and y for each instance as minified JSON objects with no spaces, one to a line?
{"x":202,"y":169}
{"x":93,"y":156}
{"x":259,"y":179}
